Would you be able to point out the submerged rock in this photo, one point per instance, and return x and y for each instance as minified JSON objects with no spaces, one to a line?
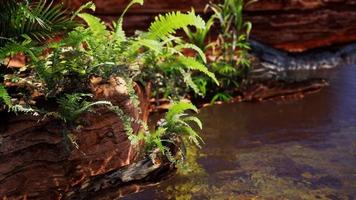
{"x":273,"y":63}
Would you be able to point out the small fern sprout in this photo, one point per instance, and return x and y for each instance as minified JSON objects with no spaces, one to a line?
{"x":71,"y":106}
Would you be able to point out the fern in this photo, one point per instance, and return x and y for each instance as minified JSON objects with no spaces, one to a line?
{"x":179,"y":108}
{"x":71,"y":106}
{"x":119,"y":32}
{"x":221,"y":96}
{"x":194,"y":47}
{"x":89,"y":5}
{"x":187,"y":77}
{"x":94,"y":23}
{"x":127,"y":123}
{"x":12,"y":47}
{"x":176,"y":121}
{"x":165,"y":25}
{"x":199,"y":36}
{"x":174,"y":126}
{"x":192,"y":64}
{"x":4,"y":96}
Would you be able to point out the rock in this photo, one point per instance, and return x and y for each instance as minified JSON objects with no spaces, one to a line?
{"x":37,"y":163}
{"x":291,"y":25}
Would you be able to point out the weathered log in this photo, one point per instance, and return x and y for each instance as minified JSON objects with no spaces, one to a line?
{"x":36,"y":161}
{"x":113,"y":184}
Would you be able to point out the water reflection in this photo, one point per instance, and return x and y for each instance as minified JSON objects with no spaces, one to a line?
{"x":304,"y":149}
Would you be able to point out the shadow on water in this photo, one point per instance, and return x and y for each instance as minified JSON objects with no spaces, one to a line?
{"x":305,"y":149}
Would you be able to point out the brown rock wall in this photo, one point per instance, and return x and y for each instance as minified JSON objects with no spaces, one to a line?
{"x":37,"y":163}
{"x":292,"y":25}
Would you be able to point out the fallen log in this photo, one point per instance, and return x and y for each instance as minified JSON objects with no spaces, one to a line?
{"x":114,"y":184}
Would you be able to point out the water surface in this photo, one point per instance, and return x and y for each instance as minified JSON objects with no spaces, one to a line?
{"x":301,"y":149}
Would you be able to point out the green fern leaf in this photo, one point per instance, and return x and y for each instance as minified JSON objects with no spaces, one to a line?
{"x":165,"y":25}
{"x":118,"y":25}
{"x":94,"y":23}
{"x":89,"y":5}
{"x":4,"y":96}
{"x":179,"y":108}
{"x":151,"y":44}
{"x":187,"y":77}
{"x":194,"y":47}
{"x":194,"y":119}
{"x":192,"y":64}
{"x":193,"y":136}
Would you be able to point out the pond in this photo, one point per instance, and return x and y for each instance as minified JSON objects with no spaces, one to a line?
{"x":297,"y":149}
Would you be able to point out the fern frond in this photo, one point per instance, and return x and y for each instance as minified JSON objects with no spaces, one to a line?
{"x":4,"y":96}
{"x":167,"y":24}
{"x":194,"y":47}
{"x":95,"y":24}
{"x":194,"y":119}
{"x":118,"y":25}
{"x":187,"y":77}
{"x":153,"y":45}
{"x":179,"y":108}
{"x":192,"y":64}
{"x":12,"y":47}
{"x":193,"y":136}
{"x":89,"y":5}
{"x":71,"y":106}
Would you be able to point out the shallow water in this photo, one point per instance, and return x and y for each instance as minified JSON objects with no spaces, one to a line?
{"x":302,"y":149}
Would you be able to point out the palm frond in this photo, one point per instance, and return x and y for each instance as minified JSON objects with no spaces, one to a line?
{"x":37,"y":19}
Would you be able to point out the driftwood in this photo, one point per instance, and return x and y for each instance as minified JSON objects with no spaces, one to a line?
{"x":114,"y":184}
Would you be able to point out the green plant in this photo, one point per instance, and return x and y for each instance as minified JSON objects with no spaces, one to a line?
{"x":234,"y":32}
{"x":36,"y":19}
{"x":221,"y":96}
{"x":4,"y":96}
{"x":174,"y":129}
{"x":229,"y":53}
{"x":71,"y":106}
{"x":165,"y":64}
{"x":62,"y":71}
{"x":199,"y":35}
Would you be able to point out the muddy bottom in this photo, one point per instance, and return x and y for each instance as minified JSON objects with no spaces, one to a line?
{"x":302,"y":149}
